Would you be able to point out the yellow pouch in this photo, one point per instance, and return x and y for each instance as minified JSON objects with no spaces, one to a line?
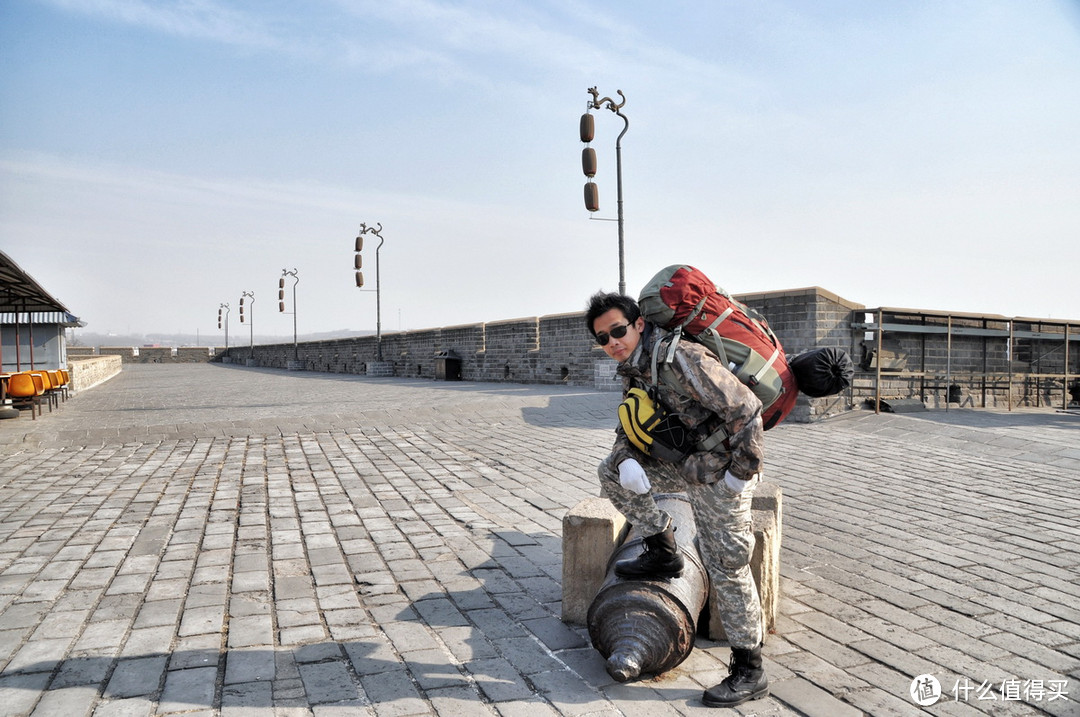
{"x":652,"y":431}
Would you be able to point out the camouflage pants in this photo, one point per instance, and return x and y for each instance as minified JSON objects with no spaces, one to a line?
{"x":725,"y":538}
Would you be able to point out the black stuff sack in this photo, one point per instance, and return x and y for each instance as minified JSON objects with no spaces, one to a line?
{"x":822,"y":372}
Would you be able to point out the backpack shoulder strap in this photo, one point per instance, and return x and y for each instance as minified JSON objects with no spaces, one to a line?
{"x":655,"y":363}
{"x":661,"y":370}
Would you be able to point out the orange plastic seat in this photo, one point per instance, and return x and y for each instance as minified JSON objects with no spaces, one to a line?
{"x":47,"y":389}
{"x":25,"y":389}
{"x":58,"y":384}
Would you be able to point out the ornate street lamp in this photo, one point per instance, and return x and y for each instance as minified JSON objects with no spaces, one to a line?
{"x":224,"y":317}
{"x":588,"y":163}
{"x":251,"y":317}
{"x":281,"y":305}
{"x":358,"y":264}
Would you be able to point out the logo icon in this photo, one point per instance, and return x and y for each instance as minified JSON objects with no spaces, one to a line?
{"x":925,"y":690}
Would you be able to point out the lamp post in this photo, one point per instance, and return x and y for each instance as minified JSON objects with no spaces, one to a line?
{"x":224,"y":317}
{"x":588,"y":162}
{"x":281,"y":305}
{"x":358,"y":264}
{"x":251,"y":316}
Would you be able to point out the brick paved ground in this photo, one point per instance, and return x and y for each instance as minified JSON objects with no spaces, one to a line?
{"x":220,"y":540}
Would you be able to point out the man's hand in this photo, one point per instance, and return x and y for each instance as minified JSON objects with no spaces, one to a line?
{"x":632,"y":477}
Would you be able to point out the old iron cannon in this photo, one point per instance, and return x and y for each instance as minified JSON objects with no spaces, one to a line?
{"x":648,"y":626}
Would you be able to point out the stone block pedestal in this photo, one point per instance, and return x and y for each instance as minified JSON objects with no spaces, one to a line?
{"x":592,"y":530}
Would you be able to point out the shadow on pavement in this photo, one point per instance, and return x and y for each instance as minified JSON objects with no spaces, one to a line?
{"x":506,"y":642}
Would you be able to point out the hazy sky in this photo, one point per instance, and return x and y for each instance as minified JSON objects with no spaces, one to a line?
{"x":159,"y":158}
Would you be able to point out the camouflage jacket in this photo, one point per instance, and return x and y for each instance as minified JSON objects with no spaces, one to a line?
{"x":710,"y":398}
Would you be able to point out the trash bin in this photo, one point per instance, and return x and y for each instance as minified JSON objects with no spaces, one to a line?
{"x":447,"y":366}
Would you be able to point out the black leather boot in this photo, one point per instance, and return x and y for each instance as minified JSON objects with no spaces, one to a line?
{"x":745,"y":682}
{"x":661,"y":559}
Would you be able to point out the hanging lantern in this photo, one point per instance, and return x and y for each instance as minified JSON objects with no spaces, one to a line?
{"x":592,"y":197}
{"x":587,"y":127}
{"x":588,"y":162}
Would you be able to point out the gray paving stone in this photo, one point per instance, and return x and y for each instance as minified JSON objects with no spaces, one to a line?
{"x":201,"y":621}
{"x":148,"y":641}
{"x":39,"y":656}
{"x":301,"y":635}
{"x":370,"y":657}
{"x":140,"y":676}
{"x":247,"y":698}
{"x":527,"y":655}
{"x":199,"y":651}
{"x":530,"y":708}
{"x":554,"y":633}
{"x":320,"y":652}
{"x":68,"y":701}
{"x":410,"y":564}
{"x":327,"y":682}
{"x":249,"y":665}
{"x":466,"y":643}
{"x":76,"y":671}
{"x":569,"y":695}
{"x":188,"y":689}
{"x":499,"y":680}
{"x":460,"y":701}
{"x":811,"y":700}
{"x":393,"y":693}
{"x":250,"y":631}
{"x":19,"y":693}
{"x":433,"y":669}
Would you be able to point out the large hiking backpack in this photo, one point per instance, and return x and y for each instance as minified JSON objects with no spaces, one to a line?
{"x":682,"y":299}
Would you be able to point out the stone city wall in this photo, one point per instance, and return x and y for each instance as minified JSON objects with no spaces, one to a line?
{"x":558,"y":349}
{"x":969,"y":360}
{"x":89,"y":371}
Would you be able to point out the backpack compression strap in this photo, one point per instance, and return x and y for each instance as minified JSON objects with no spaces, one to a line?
{"x":756,"y":378}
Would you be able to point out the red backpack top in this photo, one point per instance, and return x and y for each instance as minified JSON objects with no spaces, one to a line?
{"x":681,"y":298}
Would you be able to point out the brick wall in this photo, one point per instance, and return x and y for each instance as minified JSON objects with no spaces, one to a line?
{"x":978,"y":367}
{"x":89,"y":371}
{"x":804,"y":319}
{"x":127,"y":354}
{"x":558,"y":349}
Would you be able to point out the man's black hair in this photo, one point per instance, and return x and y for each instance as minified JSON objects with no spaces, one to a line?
{"x":600,"y":303}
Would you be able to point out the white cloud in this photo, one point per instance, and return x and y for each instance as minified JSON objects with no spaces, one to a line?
{"x":201,"y":19}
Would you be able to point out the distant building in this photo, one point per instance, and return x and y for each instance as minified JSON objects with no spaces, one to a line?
{"x":32,"y":322}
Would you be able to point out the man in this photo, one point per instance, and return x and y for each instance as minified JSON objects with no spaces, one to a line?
{"x":719,"y":482}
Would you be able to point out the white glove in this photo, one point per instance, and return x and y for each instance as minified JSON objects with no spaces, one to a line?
{"x":736,"y":485}
{"x":632,"y":477}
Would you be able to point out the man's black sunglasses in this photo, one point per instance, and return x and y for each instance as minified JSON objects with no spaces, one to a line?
{"x":618,"y":332}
